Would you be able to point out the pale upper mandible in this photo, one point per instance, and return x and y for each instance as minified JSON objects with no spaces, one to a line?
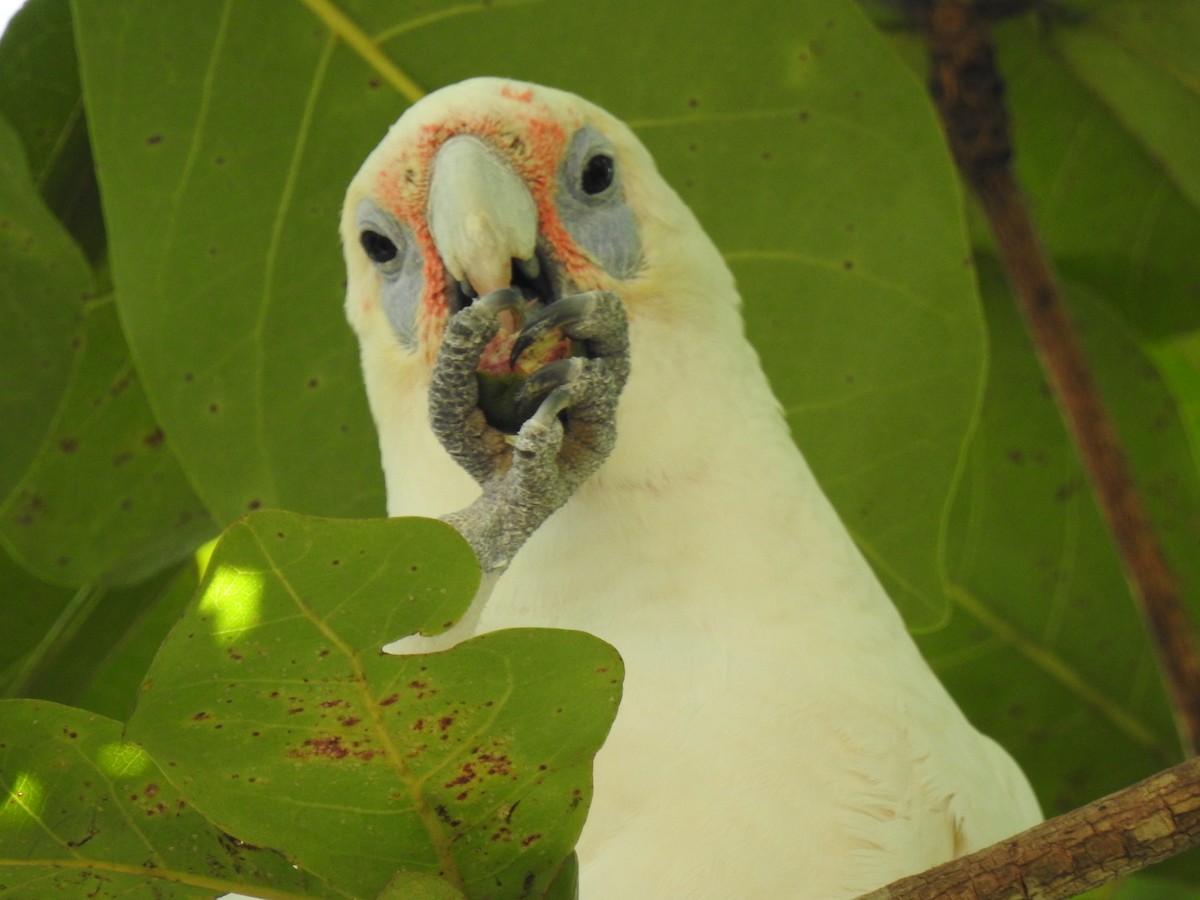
{"x":481,"y":214}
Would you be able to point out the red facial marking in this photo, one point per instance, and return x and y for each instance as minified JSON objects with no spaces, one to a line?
{"x":520,"y":96}
{"x":533,"y":142}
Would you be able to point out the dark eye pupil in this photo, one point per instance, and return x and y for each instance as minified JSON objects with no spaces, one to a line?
{"x":379,"y":248}
{"x":598,"y":174}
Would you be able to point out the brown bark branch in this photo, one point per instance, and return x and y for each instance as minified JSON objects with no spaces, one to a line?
{"x":969,"y":92}
{"x":1133,"y":828}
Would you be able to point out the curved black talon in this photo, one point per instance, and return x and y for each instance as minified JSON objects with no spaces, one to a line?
{"x":498,"y":301}
{"x":560,"y":314}
{"x":528,"y":397}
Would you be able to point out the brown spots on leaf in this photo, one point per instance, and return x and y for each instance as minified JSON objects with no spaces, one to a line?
{"x":332,"y":704}
{"x":442,"y":813}
{"x":151,"y":790}
{"x":483,"y":764}
{"x":120,"y":386}
{"x":389,"y":700}
{"x":68,"y":445}
{"x":121,"y":458}
{"x":294,"y":710}
{"x":1066,"y":491}
{"x":530,"y":839}
{"x":154,"y":140}
{"x":31,"y":505}
{"x":200,"y":717}
{"x":254,"y":504}
{"x":421,"y":689}
{"x":154,"y":439}
{"x":328,"y":747}
{"x":350,"y":721}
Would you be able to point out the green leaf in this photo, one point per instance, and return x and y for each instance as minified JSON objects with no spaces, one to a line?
{"x":1179,"y":361}
{"x":43,"y":283}
{"x":222,"y":188}
{"x":96,"y":653}
{"x":83,"y":813}
{"x":125,"y":633}
{"x":1111,"y":214}
{"x":41,"y":97}
{"x":277,"y":714}
{"x":28,"y":607}
{"x":1142,"y":59}
{"x":104,"y":500}
{"x":1046,"y":649}
{"x":418,"y":886}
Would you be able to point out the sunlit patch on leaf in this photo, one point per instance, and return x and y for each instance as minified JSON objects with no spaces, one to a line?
{"x":232,"y":598}
{"x":121,"y":759}
{"x":26,"y":797}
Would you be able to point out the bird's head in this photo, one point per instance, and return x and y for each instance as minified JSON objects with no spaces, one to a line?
{"x":492,"y":183}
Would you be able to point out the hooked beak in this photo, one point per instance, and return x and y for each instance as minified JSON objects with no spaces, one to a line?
{"x":481,"y":215}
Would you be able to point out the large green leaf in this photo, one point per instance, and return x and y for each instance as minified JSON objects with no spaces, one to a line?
{"x":223,"y":159}
{"x":43,"y":283}
{"x":1112,"y":215}
{"x":222,"y":184}
{"x":1046,"y":649}
{"x":92,"y":493}
{"x":83,"y":813}
{"x":278,"y":716}
{"x":104,"y":500}
{"x":1142,"y":59}
{"x":41,"y":97}
{"x":28,"y":608}
{"x":96,"y":651}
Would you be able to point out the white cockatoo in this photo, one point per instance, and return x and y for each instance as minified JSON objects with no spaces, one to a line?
{"x":779,"y":733}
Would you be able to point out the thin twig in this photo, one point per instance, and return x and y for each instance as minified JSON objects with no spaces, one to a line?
{"x":1085,"y":848}
{"x":969,"y":93}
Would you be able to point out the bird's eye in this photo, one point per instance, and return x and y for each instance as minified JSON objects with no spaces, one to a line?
{"x":378,"y":247}
{"x":598,"y":174}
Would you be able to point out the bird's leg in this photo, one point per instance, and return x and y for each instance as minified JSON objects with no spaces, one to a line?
{"x":570,"y":433}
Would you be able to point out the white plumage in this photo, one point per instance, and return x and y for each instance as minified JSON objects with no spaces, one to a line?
{"x":780,"y":735}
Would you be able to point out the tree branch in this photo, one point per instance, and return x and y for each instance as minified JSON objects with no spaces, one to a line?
{"x":969,"y":92}
{"x":1133,"y":828}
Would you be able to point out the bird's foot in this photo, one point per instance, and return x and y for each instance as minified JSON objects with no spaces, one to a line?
{"x":567,"y":411}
